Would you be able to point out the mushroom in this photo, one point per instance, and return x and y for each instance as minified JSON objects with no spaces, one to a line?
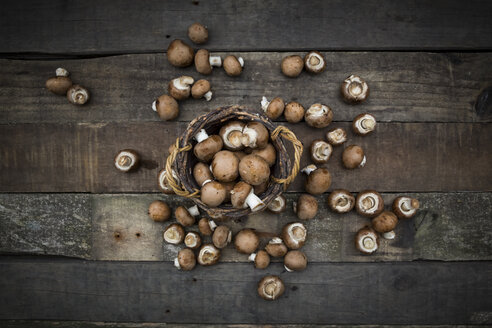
{"x":336,"y":136}
{"x":292,"y":65}
{"x":367,"y":240}
{"x":179,"y":54}
{"x":273,"y":109}
{"x":159,"y":211}
{"x":225,"y":166}
{"x":240,"y":154}
{"x":202,"y":173}
{"x":77,"y":95}
{"x":314,"y":62}
{"x":228,"y":188}
{"x":270,"y":288}
{"x":127,"y":160}
{"x":231,"y":134}
{"x":162,"y":182}
{"x":369,"y":203}
{"x":318,"y":180}
{"x":385,"y":222}
{"x":278,"y":204}
{"x":192,"y":240}
{"x":294,"y":112}
{"x":405,"y":207}
{"x":208,"y":255}
{"x":254,"y":170}
{"x":186,"y":217}
{"x":222,"y":236}
{"x":306,"y":207}
{"x":390,"y":235}
{"x":233,"y":66}
{"x":180,"y":87}
{"x":246,"y":241}
{"x":261,"y":259}
{"x":341,"y":201}
{"x":318,"y":116}
{"x":354,"y":89}
{"x":320,"y":151}
{"x":207,"y":146}
{"x":166,"y":107}
{"x":261,"y":188}
{"x":295,"y":261}
{"x":204,"y":62}
{"x":294,"y":235}
{"x":206,"y":226}
{"x":255,"y":135}
{"x":174,"y":234}
{"x":364,"y":124}
{"x":60,"y":83}
{"x":276,"y":247}
{"x":243,"y":196}
{"x":186,"y":260}
{"x":201,"y":89}
{"x":198,"y":33}
{"x":353,"y":157}
{"x":212,"y":193}
{"x":269,"y":154}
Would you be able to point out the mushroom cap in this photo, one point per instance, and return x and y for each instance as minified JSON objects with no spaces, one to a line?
{"x":159,"y":211}
{"x":202,"y":62}
{"x":270,"y":288}
{"x":231,"y":134}
{"x":255,"y":135}
{"x":228,"y":188}
{"x":262,"y":260}
{"x":174,"y":234}
{"x":366,"y":240}
{"x":208,"y":255}
{"x":163,"y":184}
{"x":318,"y":181}
{"x":202,"y":173}
{"x":294,"y":235}
{"x":385,"y":222}
{"x":269,"y":154}
{"x":206,"y":149}
{"x":341,"y":201}
{"x":295,"y":260}
{"x":354,"y":89}
{"x":198,"y":33}
{"x":180,"y":87}
{"x":405,"y":207}
{"x":261,"y":188}
{"x":246,"y":241}
{"x":240,"y":154}
{"x":294,"y":112}
{"x":369,"y":203}
{"x":363,"y":124}
{"x":167,"y":107}
{"x":292,"y":65}
{"x":276,"y":247}
{"x":213,"y":194}
{"x":186,"y":259}
{"x":314,"y":62}
{"x":222,"y":236}
{"x":353,"y":157}
{"x":59,"y":85}
{"x":127,"y":160}
{"x":239,"y":194}
{"x":192,"y":240}
{"x":278,"y":204}
{"x":204,"y":227}
{"x":320,"y":151}
{"x":225,"y":166}
{"x":275,"y":108}
{"x":78,"y":95}
{"x":179,"y":54}
{"x":232,"y":66}
{"x":318,"y":116}
{"x":306,"y":207}
{"x":200,"y":88}
{"x":184,"y":217}
{"x":336,"y":136}
{"x":254,"y":170}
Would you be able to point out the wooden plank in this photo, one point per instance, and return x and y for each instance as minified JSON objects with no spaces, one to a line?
{"x":79,"y":157}
{"x":412,"y":87}
{"x":397,"y":293}
{"x":31,"y":26}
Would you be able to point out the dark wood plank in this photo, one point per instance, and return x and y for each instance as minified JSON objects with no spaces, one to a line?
{"x":397,"y":293}
{"x":31,"y":26}
{"x":412,"y":87}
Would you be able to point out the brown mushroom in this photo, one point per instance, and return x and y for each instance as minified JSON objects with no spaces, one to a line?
{"x":212,"y":193}
{"x":162,"y":182}
{"x":255,"y":135}
{"x":159,"y":211}
{"x":193,"y":240}
{"x":318,"y":116}
{"x":369,"y":203}
{"x":222,"y":236}
{"x":206,"y":226}
{"x":405,"y":207}
{"x":270,"y":288}
{"x":233,"y":66}
{"x":276,"y":247}
{"x":320,"y":151}
{"x":186,"y":217}
{"x":274,"y":108}
{"x":295,"y":260}
{"x":354,"y":89}
{"x":60,"y":83}
{"x":228,"y":188}
{"x":254,"y":170}
{"x":225,"y":166}
{"x":127,"y":160}
{"x":201,"y":89}
{"x":353,"y":157}
{"x":180,"y":87}
{"x":363,"y":124}
{"x":78,"y":95}
{"x":208,"y":255}
{"x":166,"y":107}
{"x":231,"y":134}
{"x":318,"y":180}
{"x":385,"y":222}
{"x":174,"y":234}
{"x":186,"y":260}
{"x":204,"y":62}
{"x":179,"y":54}
{"x":269,"y":154}
{"x":198,"y":33}
{"x":261,"y":259}
{"x":207,"y":146}
{"x":336,"y":136}
{"x":261,"y":188}
{"x":292,"y":65}
{"x":341,"y":201}
{"x":278,"y":204}
{"x":314,"y":62}
{"x":246,"y":241}
{"x":202,"y":173}
{"x":294,"y":235}
{"x":294,"y":112}
{"x":306,"y":207}
{"x":366,"y":240}
{"x":243,"y":196}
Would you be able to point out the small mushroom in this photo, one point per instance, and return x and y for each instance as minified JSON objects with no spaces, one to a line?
{"x":225,"y":166}
{"x":336,"y":136}
{"x":179,"y":54}
{"x":354,"y":89}
{"x":390,"y":235}
{"x":269,"y":154}
{"x":353,"y":157}
{"x":295,"y":260}
{"x":270,"y":288}
{"x":320,"y":151}
{"x":186,"y":260}
{"x":193,"y":240}
{"x":186,"y":217}
{"x":60,"y":83}
{"x":254,"y":170}
{"x":201,"y":89}
{"x":278,"y":204}
{"x":261,"y":188}
{"x":243,"y":196}
{"x":294,"y":112}
{"x":341,"y":201}
{"x":222,"y":236}
{"x":385,"y":222}
{"x":276,"y":247}
{"x":261,"y":259}
{"x":198,"y":33}
{"x":318,"y":180}
{"x":294,"y":235}
{"x":314,"y":62}
{"x":212,"y":193}
{"x":204,"y":62}
{"x":180,"y":87}
{"x":208,"y":255}
{"x":369,"y":203}
{"x":405,"y":207}
{"x":207,"y":146}
{"x":246,"y":241}
{"x":174,"y":234}
{"x":77,"y":95}
{"x":206,"y":226}
{"x":274,"y":108}
{"x":318,"y":116}
{"x":159,"y":211}
{"x":127,"y":160}
{"x":306,"y":207}
{"x":162,"y":182}
{"x":367,"y":240}
{"x":255,"y":135}
{"x":292,"y":65}
{"x":202,"y":173}
{"x":166,"y":107}
{"x":364,"y":124}
{"x":233,"y":66}
{"x":231,"y":134}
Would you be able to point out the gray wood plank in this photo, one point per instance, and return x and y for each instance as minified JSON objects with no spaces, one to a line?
{"x":31,"y":26}
{"x":349,"y":293}
{"x":405,"y":87}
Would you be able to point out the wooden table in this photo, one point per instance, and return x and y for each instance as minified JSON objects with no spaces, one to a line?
{"x":76,"y":240}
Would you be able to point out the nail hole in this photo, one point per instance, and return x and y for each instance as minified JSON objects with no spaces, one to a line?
{"x":167,"y":311}
{"x":137,"y":234}
{"x":293,"y":288}
{"x":196,"y":3}
{"x":167,"y":36}
{"x":116,"y":235}
{"x":194,"y":279}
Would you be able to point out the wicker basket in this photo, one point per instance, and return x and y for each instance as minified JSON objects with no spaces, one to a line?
{"x":183,"y":160}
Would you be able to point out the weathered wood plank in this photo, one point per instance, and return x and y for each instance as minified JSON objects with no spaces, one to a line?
{"x":414,"y":87}
{"x":79,"y":157}
{"x":39,"y":27}
{"x":349,"y":293}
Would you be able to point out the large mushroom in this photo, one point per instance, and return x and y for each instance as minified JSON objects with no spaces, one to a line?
{"x":274,"y":108}
{"x":212,"y":193}
{"x":405,"y":207}
{"x":179,"y":54}
{"x":366,"y":240}
{"x":204,"y":62}
{"x":166,"y":107}
{"x":369,"y":203}
{"x":186,"y":216}
{"x":306,"y":207}
{"x":320,"y":151}
{"x":354,"y":89}
{"x":180,"y":87}
{"x":243,"y":196}
{"x":341,"y":201}
{"x":231,"y":134}
{"x":292,"y":65}
{"x":233,"y":66}
{"x":363,"y":124}
{"x":294,"y":235}
{"x":254,"y":170}
{"x":294,"y":112}
{"x":225,"y":166}
{"x":318,"y":116}
{"x":246,"y":241}
{"x":318,"y":180}
{"x":255,"y":135}
{"x":270,"y":288}
{"x":353,"y":157}
{"x":207,"y":146}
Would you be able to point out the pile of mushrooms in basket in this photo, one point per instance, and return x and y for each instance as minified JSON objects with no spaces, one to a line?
{"x":234,"y":161}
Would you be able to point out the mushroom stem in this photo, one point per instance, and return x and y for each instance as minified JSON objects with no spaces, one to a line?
{"x":264,"y":103}
{"x":254,"y":202}
{"x":276,"y":240}
{"x":176,"y":263}
{"x":368,"y":124}
{"x":193,"y":210}
{"x":368,"y":202}
{"x":288,"y":270}
{"x":252,"y":257}
{"x":389,"y":235}
{"x":363,"y":162}
{"x":206,"y":181}
{"x":215,"y":61}
{"x":309,"y":169}
{"x":368,"y":242}
{"x":183,"y":82}
{"x":212,"y":225}
{"x":241,"y":61}
{"x":201,"y":135}
{"x":208,"y":96}
{"x":62,"y":72}
{"x":154,"y":107}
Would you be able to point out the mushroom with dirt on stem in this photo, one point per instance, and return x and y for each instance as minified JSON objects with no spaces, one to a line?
{"x":78,"y":95}
{"x":179,"y":54}
{"x":277,"y":205}
{"x":206,"y":226}
{"x":231,"y":134}
{"x":163,"y":183}
{"x":405,"y":207}
{"x":207,"y":146}
{"x":292,"y":66}
{"x":269,"y":154}
{"x":222,"y":236}
{"x":127,"y":160}
{"x":276,"y":247}
{"x":318,"y":116}
{"x":185,"y":260}
{"x":242,"y":196}
{"x":174,"y":234}
{"x":270,"y":288}
{"x":341,"y":201}
{"x":233,"y":65}
{"x":246,"y":241}
{"x":320,"y":151}
{"x":354,"y":89}
{"x":202,"y":173}
{"x":314,"y":62}
{"x":294,"y":235}
{"x":159,"y":211}
{"x":369,"y":203}
{"x":318,"y":179}
{"x":261,"y":259}
{"x":180,"y":87}
{"x":274,"y":108}
{"x":295,"y":260}
{"x":166,"y":107}
{"x":225,"y":166}
{"x":60,"y":83}
{"x":306,"y":207}
{"x":186,"y":217}
{"x":198,"y":33}
{"x":353,"y":157}
{"x":193,"y":240}
{"x":336,"y":136}
{"x":212,"y":193}
{"x":254,"y":170}
{"x":255,"y":135}
{"x":363,"y":124}
{"x":201,"y":89}
{"x":366,"y":240}
{"x":294,"y":112}
{"x":204,"y":62}
{"x":208,"y":255}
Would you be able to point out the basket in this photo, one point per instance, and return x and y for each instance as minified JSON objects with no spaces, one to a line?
{"x":183,"y":160}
